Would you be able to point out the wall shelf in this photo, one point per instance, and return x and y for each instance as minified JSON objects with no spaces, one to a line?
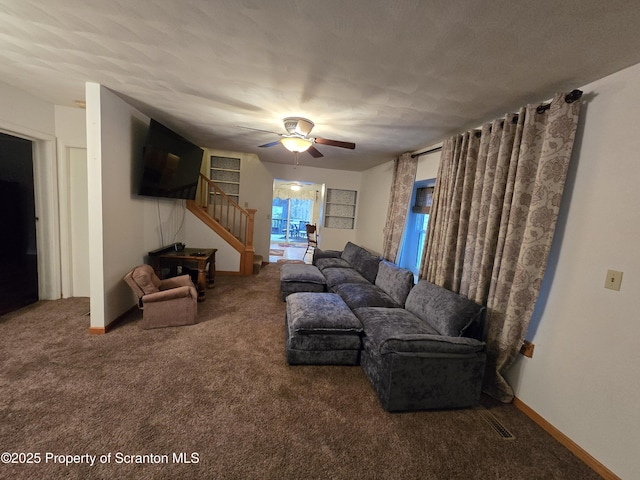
{"x":340,"y":208}
{"x":225,"y":172}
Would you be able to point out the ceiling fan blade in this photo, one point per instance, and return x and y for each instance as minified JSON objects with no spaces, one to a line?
{"x":336,"y":143}
{"x":314,"y":152}
{"x":270,"y":144}
{"x":263,"y":131}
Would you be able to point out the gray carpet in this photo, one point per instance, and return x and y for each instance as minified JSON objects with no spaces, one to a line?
{"x":220,"y":395}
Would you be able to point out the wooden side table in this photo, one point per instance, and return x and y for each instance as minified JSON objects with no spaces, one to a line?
{"x":189,"y":258}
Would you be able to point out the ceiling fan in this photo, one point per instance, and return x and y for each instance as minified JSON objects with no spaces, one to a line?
{"x":297,"y":138}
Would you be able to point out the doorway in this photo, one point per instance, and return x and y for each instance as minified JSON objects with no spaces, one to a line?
{"x":18,"y":246}
{"x":415,"y":233}
{"x":295,"y":204}
{"x":79,"y":222}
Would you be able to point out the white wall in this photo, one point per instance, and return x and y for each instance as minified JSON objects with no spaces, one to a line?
{"x":374,"y":202}
{"x":77,"y":254}
{"x":21,"y":111}
{"x":584,"y":375}
{"x":428,"y":165}
{"x":199,"y":235}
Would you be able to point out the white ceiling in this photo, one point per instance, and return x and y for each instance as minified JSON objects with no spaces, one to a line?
{"x":391,"y":76}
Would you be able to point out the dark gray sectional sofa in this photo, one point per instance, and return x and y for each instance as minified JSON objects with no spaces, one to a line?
{"x":419,"y":345}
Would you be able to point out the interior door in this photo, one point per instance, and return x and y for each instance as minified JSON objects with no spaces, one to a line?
{"x":79,"y":222}
{"x":18,"y":250}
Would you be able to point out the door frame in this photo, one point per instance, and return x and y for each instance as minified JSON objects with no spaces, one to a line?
{"x":45,"y":179}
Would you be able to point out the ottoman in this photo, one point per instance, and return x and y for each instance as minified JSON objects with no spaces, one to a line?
{"x":299,"y":277}
{"x":321,"y":330}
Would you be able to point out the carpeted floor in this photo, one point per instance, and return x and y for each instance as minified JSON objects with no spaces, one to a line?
{"x":220,"y":395}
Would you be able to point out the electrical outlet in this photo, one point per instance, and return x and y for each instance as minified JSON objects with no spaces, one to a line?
{"x":613,"y":280}
{"x":527,"y":349}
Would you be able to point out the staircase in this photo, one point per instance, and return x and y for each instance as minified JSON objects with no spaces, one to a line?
{"x":229,"y":220}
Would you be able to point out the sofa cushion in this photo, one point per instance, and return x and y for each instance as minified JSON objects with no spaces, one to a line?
{"x":337,"y":276}
{"x":395,"y":281}
{"x":449,"y":313}
{"x":294,"y":272}
{"x":323,"y":263}
{"x":382,"y":323}
{"x":363,"y":261}
{"x":425,"y":343}
{"x":319,"y":253}
{"x":357,"y":295}
{"x":350,"y":252}
{"x":321,"y":313}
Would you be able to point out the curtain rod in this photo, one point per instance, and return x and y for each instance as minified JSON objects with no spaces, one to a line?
{"x":436,"y":149}
{"x":569,"y":98}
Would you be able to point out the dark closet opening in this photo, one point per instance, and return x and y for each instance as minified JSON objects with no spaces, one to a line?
{"x":18,"y":252}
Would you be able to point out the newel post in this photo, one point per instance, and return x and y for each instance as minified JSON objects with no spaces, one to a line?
{"x":250,"y":221}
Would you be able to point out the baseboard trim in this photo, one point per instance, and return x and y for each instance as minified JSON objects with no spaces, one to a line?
{"x":225,"y":272}
{"x":569,"y":444}
{"x":110,"y":326}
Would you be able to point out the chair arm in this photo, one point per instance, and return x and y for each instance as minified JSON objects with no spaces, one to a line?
{"x":164,"y":295}
{"x":173,"y":282}
{"x":426,"y":343}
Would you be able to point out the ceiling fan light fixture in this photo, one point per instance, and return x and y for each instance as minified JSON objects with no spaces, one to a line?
{"x":298,"y":125}
{"x":296,"y":144}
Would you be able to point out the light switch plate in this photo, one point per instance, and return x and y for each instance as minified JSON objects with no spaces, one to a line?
{"x":613,"y":280}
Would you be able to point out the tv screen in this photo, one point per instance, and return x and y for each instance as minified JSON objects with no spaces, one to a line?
{"x":171,"y":164}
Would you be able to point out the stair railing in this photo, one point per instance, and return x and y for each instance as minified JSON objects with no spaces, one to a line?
{"x":224,"y":210}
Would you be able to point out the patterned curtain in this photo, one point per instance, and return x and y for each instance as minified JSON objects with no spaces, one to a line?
{"x":284,"y":193}
{"x":404,"y":175}
{"x":494,"y":211}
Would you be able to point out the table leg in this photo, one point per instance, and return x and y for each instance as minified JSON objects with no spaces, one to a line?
{"x":212,"y":272}
{"x":202,"y":283}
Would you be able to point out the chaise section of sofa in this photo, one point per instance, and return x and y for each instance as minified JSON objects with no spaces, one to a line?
{"x":419,"y":357}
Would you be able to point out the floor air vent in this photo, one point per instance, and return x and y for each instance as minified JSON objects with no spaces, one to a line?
{"x":494,"y":423}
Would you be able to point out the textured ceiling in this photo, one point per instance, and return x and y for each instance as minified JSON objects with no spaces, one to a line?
{"x":391,"y":76}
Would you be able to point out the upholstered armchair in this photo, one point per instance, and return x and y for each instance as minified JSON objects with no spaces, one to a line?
{"x":164,"y":303}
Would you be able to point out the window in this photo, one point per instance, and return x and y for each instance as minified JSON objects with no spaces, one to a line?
{"x":415,"y":233}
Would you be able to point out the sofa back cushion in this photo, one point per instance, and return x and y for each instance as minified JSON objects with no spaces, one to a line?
{"x":319,"y":253}
{"x":357,"y":295}
{"x":363,"y":261}
{"x":395,"y":281}
{"x":323,"y":263}
{"x":449,"y":313}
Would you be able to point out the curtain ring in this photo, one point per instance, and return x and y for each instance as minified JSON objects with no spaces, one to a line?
{"x":573,"y":96}
{"x":543,"y":108}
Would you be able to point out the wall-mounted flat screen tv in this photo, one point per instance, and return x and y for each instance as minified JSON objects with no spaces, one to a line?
{"x":171,"y":164}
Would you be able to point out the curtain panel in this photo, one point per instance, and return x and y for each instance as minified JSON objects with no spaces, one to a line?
{"x":493,"y":216}
{"x":404,"y":176}
{"x":285,"y":193}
